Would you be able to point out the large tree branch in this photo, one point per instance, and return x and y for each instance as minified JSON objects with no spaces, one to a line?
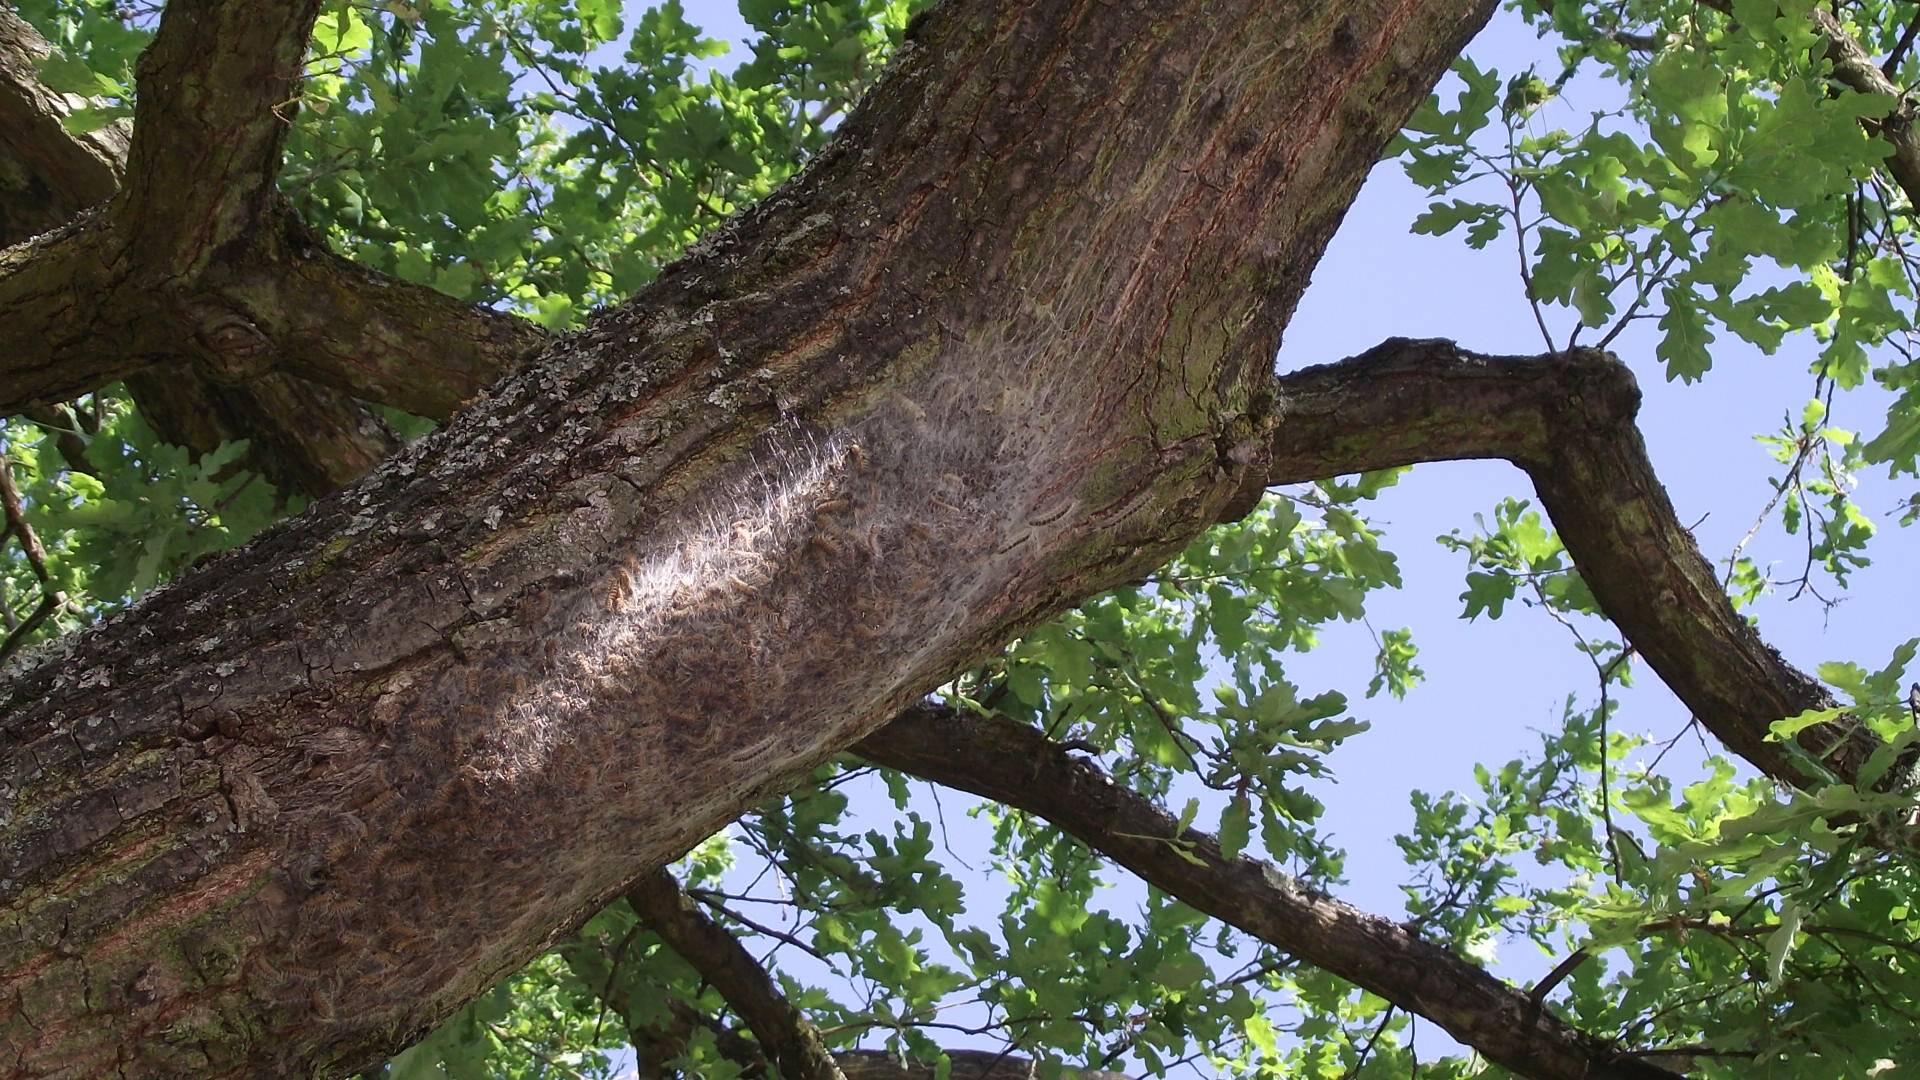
{"x":58,"y":340}
{"x":323,"y":317}
{"x":198,"y":262}
{"x":79,"y":308}
{"x":221,"y":349}
{"x":1019,"y":766}
{"x":63,"y":335}
{"x":304,"y":437}
{"x":1568,"y":420}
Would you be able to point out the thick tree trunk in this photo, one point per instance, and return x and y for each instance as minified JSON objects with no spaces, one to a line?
{"x":1005,"y":343}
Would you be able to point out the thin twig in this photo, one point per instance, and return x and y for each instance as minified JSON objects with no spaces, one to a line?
{"x":51,"y":599}
{"x":761,"y":928}
{"x":1899,"y":50}
{"x":1557,"y":976}
{"x":18,"y":635}
{"x":606,"y":992}
{"x":1366,"y":1051}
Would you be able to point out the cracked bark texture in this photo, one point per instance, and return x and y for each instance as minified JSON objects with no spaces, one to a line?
{"x":1003,"y":344}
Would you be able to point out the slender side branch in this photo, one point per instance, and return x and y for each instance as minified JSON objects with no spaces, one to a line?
{"x":15,"y":521}
{"x":1567,"y":419}
{"x":592,"y":963}
{"x":720,"y":959}
{"x":256,"y":803}
{"x":1021,"y":767}
{"x":59,"y":336}
{"x":374,"y":336}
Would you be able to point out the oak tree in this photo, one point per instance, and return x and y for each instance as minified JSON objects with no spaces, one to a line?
{"x":622,"y":456}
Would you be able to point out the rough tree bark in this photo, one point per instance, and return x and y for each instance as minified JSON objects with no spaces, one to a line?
{"x":1005,"y":343}
{"x":1567,"y":419}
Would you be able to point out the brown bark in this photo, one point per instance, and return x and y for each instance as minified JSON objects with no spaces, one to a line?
{"x":1568,"y":420}
{"x":1019,"y":766}
{"x":303,"y":437}
{"x":1005,"y":343}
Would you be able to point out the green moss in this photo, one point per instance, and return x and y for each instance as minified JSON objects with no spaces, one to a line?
{"x":324,"y":561}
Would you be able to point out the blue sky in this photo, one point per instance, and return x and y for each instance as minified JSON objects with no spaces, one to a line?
{"x":1491,"y":683}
